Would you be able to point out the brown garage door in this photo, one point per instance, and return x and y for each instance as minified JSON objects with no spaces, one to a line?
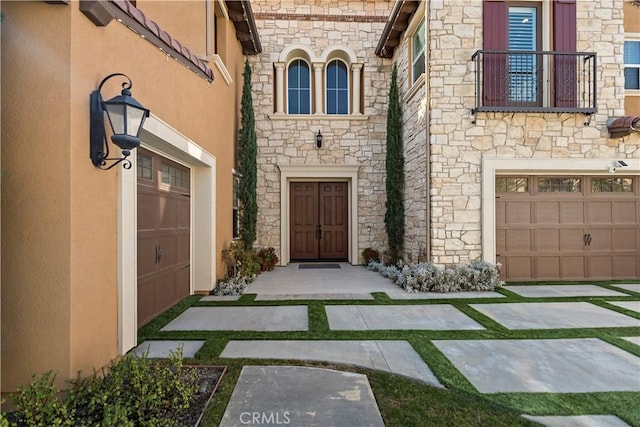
{"x":559,"y":227}
{"x":163,"y":234}
{"x":319,"y":221}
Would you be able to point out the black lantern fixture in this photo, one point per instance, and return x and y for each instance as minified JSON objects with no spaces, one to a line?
{"x":126,"y":117}
{"x":318,"y":140}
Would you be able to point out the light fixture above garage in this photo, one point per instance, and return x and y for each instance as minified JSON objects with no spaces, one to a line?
{"x":126,"y":117}
{"x":318,"y":140}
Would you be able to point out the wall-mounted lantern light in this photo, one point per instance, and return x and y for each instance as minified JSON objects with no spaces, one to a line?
{"x":318,"y":140}
{"x":126,"y":117}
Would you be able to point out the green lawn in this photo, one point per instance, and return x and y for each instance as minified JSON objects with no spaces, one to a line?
{"x":404,"y":402}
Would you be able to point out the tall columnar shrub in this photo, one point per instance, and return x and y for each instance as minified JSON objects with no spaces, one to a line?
{"x":394,"y":216}
{"x":247,"y":154}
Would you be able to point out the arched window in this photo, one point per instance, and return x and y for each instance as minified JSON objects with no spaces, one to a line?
{"x":337,"y":88}
{"x":299,"y":87}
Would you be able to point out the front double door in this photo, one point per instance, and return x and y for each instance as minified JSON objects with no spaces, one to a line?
{"x":319,"y":221}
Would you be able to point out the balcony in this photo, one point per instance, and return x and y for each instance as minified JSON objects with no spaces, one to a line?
{"x":526,"y":81}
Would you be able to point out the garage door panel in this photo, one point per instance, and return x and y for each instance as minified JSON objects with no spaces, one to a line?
{"x":519,"y":267}
{"x":547,"y":267}
{"x":518,"y":212}
{"x":518,"y":240}
{"x":625,"y":212}
{"x":146,"y":256}
{"x":547,"y":212}
{"x":501,"y":244}
{"x":625,"y":239}
{"x":183,"y":248}
{"x":168,"y":251}
{"x":601,"y":239}
{"x":572,"y":267}
{"x":501,"y":218}
{"x":572,"y":239}
{"x":147,"y":211}
{"x":547,"y":240}
{"x":599,"y":212}
{"x":626,"y":266}
{"x":600,"y":267}
{"x":167,"y":212}
{"x":183,"y":205}
{"x":572,"y":212}
{"x":146,"y":301}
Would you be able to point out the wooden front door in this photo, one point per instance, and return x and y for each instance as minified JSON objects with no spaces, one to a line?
{"x":319,"y":221}
{"x":163,"y":234}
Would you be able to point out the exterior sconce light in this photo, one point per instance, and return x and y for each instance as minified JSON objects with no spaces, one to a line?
{"x":126,"y":117}
{"x":318,"y":140}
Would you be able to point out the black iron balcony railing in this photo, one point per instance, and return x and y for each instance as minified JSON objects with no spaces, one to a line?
{"x":526,"y":81}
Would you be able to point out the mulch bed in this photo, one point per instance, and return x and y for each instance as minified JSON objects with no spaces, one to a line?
{"x":209,"y":378}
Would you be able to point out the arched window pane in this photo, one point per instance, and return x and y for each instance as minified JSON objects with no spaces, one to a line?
{"x":337,"y":88}
{"x":299,"y":88}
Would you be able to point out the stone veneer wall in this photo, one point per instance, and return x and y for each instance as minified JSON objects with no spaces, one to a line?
{"x":414,"y":128}
{"x":458,"y":145}
{"x":347,"y":140}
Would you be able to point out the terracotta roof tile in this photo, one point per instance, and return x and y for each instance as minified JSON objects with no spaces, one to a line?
{"x":163,"y":36}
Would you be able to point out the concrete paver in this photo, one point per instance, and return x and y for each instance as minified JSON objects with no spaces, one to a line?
{"x":386,"y":317}
{"x":162,"y":349}
{"x":578,"y":421}
{"x":554,"y":315}
{"x":552,"y":365}
{"x":277,"y":318}
{"x":544,"y":291}
{"x":446,"y":295}
{"x":393,"y":356}
{"x":635,"y":287}
{"x":348,"y":278}
{"x":301,"y":396}
{"x":629,"y":305}
{"x":284,"y":297}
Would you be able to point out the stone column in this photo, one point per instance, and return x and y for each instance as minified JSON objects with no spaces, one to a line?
{"x":356,"y":68}
{"x":279,"y":87}
{"x":317,"y":87}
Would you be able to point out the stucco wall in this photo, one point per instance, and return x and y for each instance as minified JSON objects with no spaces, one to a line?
{"x":60,"y":301}
{"x":347,"y":140}
{"x":36,"y":191}
{"x":458,"y":145}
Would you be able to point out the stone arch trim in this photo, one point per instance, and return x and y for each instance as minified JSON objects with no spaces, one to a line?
{"x":297,"y":51}
{"x":339,"y":51}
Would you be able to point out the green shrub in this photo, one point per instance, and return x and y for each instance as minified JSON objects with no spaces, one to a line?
{"x":370,"y":254}
{"x":267,"y":258}
{"x":133,"y":391}
{"x":241,"y":261}
{"x":39,"y":403}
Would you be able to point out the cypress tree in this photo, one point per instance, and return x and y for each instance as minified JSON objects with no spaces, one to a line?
{"x":247,"y":154}
{"x":394,"y":216}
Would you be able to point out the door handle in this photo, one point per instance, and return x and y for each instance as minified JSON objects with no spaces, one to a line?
{"x":585,"y":239}
{"x":158,"y":254}
{"x":589,"y":239}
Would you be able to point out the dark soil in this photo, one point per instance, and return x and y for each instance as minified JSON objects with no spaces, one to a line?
{"x":208,"y":379}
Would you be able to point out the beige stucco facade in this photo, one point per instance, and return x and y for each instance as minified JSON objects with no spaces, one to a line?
{"x":68,"y":228}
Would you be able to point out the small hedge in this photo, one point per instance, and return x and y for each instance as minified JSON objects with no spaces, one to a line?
{"x":428,"y":277}
{"x":134,"y":391}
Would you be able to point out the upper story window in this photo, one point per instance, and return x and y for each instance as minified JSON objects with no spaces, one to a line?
{"x":529,"y":60}
{"x":319,"y":83}
{"x":417,"y":52}
{"x":299,"y":87}
{"x":632,"y":64}
{"x":337,"y":88}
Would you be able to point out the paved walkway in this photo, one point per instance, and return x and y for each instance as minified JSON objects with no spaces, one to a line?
{"x":574,"y":365}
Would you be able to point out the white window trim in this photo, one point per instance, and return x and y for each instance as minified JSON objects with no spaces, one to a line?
{"x":326,"y":86}
{"x":631,"y":37}
{"x":412,"y":59}
{"x":286,"y":88}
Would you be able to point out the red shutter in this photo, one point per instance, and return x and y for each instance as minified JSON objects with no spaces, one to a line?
{"x":564,"y":40}
{"x":495,"y":28}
